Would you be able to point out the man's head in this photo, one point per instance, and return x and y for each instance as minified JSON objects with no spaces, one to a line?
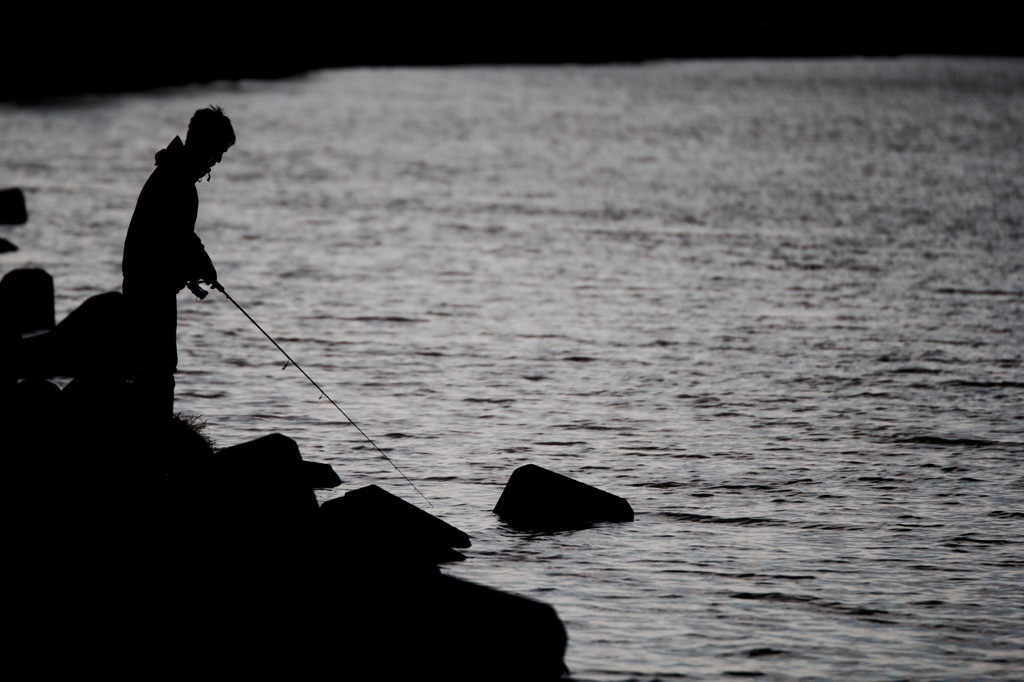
{"x":209,"y":134}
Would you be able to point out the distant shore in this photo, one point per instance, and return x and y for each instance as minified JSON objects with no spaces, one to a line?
{"x":91,"y":54}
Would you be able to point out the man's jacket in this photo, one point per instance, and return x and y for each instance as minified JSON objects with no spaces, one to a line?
{"x":161,"y":248}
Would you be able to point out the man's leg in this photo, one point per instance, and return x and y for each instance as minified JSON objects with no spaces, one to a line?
{"x":153,"y":318}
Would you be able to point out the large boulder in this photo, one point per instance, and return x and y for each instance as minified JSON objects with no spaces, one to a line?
{"x":251,"y":501}
{"x":377,"y":526}
{"x":442,"y":627}
{"x":93,"y":340}
{"x":387,"y":552}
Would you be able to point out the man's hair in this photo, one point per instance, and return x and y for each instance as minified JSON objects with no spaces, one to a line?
{"x":211,"y":129}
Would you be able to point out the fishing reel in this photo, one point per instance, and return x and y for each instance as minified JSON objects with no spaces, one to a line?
{"x":200,"y":292}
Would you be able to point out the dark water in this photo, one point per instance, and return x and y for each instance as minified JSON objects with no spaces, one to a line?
{"x":777,"y":306}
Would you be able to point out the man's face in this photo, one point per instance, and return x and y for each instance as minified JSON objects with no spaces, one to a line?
{"x":215,"y":157}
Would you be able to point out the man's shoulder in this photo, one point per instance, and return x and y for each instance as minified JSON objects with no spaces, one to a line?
{"x":171,"y":176}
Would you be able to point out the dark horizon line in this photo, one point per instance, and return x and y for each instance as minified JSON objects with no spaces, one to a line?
{"x":97,"y":78}
{"x":93,"y":55}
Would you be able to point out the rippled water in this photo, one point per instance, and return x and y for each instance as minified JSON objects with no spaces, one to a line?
{"x":777,"y":306}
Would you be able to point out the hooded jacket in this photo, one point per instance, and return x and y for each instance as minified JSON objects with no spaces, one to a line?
{"x":161,"y":247}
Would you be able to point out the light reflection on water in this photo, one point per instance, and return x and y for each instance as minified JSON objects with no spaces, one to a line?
{"x":773,"y":305}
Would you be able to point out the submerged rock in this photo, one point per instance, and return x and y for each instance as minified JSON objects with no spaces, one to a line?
{"x":538,"y":499}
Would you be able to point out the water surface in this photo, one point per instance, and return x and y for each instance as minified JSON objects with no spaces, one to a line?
{"x":776,"y":305}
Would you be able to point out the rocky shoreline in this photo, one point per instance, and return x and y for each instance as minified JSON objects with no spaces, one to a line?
{"x":143,"y":547}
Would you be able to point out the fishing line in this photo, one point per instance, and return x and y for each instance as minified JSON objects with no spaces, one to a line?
{"x":220,"y":288}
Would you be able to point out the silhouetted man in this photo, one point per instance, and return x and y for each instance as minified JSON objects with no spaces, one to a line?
{"x":163,"y":254}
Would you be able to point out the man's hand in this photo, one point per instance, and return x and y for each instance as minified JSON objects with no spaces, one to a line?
{"x":194,"y":287}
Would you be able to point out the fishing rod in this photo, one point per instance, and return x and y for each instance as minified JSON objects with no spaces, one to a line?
{"x":202,"y":293}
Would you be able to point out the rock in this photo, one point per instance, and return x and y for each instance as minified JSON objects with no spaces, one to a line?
{"x":450,"y":628}
{"x":402,"y":612}
{"x":320,"y":475}
{"x":380,"y":527}
{"x":26,"y":301}
{"x":255,"y":497}
{"x":93,"y":340}
{"x":12,"y":207}
{"x":538,"y":499}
